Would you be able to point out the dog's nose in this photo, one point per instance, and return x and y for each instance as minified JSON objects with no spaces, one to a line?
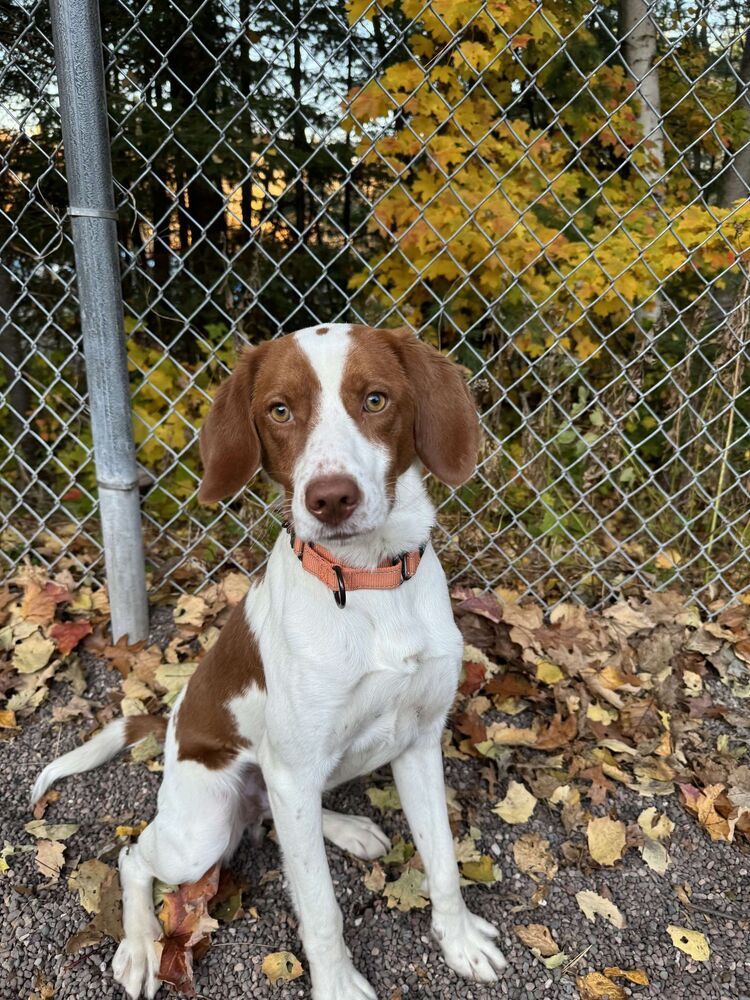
{"x":332,"y":499}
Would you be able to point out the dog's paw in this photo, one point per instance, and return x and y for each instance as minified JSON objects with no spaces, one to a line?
{"x":356,"y":834}
{"x":342,"y":982}
{"x":468,"y":945}
{"x":136,"y":966}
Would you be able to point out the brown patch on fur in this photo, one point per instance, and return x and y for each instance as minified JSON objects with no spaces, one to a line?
{"x":239,"y":434}
{"x":138,"y":727}
{"x":322,"y":330}
{"x":206,"y":730}
{"x":430,"y":412}
{"x":372,"y":367}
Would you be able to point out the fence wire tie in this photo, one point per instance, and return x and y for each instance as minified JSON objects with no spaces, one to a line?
{"x":78,"y":211}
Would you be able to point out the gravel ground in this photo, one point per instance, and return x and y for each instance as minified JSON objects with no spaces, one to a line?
{"x":393,"y":949}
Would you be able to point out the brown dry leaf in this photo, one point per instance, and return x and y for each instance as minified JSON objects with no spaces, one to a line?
{"x":375,"y":880}
{"x":533,"y":856}
{"x":606,"y":838}
{"x":537,"y":937}
{"x":595,"y":986}
{"x":187,"y":925}
{"x":190,"y":610}
{"x":87,"y":881}
{"x":43,"y":830}
{"x":518,"y":804}
{"x":637,"y":976}
{"x":67,"y":635}
{"x":703,"y":805}
{"x":39,"y":604}
{"x":7,"y":719}
{"x":32,"y":654}
{"x":50,"y":857}
{"x":76,"y":708}
{"x":281,"y":967}
{"x":44,"y":989}
{"x":693,"y":943}
{"x":654,"y":826}
{"x":593,"y":905}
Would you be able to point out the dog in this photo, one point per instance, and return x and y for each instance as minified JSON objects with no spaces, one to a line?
{"x":342,"y":658}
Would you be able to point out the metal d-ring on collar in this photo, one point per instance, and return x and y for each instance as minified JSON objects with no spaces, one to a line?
{"x":339,"y":595}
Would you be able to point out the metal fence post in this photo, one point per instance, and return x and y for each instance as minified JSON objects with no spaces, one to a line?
{"x":83,"y":107}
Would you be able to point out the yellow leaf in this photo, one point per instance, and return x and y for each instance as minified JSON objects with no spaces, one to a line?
{"x":606,"y":839}
{"x":518,"y":804}
{"x":668,"y":559}
{"x":481,"y":870}
{"x":654,"y":826}
{"x":599,"y":713}
{"x":281,"y":967}
{"x":637,"y":976}
{"x":7,"y":719}
{"x":548,"y":673}
{"x":595,"y":986}
{"x":693,"y":943}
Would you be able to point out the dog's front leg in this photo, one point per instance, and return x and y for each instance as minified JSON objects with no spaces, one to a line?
{"x":466,"y":940}
{"x":297,"y":812}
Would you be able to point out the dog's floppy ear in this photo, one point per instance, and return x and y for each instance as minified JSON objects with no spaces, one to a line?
{"x":446,"y":425}
{"x":229,"y":443}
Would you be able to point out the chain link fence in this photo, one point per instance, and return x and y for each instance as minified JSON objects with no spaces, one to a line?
{"x":554,"y":193}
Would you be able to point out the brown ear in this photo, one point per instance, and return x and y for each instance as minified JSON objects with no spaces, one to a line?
{"x":230,"y":448}
{"x":446,"y":426}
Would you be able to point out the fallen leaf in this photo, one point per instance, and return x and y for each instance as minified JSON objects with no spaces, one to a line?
{"x":190,"y":609}
{"x":281,"y":967}
{"x":654,"y":826}
{"x":401,"y":852}
{"x":50,"y":856}
{"x":87,"y":881}
{"x":407,"y":893}
{"x":187,"y":924}
{"x":518,"y":804}
{"x":637,"y":976}
{"x":67,"y":635}
{"x":656,"y":856}
{"x":595,"y":986}
{"x":32,"y":654}
{"x":41,"y":829}
{"x":693,"y":943}
{"x":593,"y":905}
{"x":481,"y":870}
{"x":606,"y":838}
{"x":533,"y":856}
{"x":384,"y":799}
{"x":7,"y":719}
{"x":537,"y":937}
{"x":375,"y":879}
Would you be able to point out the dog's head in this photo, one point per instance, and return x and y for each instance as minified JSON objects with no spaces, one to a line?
{"x":336,"y":415}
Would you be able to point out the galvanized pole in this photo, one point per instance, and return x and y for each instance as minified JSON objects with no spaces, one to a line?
{"x":83,"y":106}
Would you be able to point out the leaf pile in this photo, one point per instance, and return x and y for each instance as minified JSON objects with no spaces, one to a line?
{"x":644,"y":694}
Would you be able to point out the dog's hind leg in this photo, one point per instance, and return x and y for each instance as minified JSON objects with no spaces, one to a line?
{"x":356,"y":834}
{"x":199,"y":824}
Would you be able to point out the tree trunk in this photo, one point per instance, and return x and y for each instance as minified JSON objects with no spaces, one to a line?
{"x":12,"y":348}
{"x":300,"y":142}
{"x":736,"y":174}
{"x":638,"y":34}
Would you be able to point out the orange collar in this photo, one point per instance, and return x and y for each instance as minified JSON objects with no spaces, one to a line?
{"x":339,"y":578}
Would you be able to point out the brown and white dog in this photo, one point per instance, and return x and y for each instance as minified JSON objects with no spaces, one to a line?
{"x":343,"y":657}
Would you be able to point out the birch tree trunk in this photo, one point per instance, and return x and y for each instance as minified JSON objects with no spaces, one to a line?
{"x":639,"y":38}
{"x":638,"y":34}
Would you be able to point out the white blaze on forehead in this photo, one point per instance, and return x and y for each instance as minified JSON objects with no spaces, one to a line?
{"x":336,"y":444}
{"x":327,"y":354}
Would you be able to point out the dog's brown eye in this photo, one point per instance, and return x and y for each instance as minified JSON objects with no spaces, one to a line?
{"x":375,"y":402}
{"x":280,"y":413}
